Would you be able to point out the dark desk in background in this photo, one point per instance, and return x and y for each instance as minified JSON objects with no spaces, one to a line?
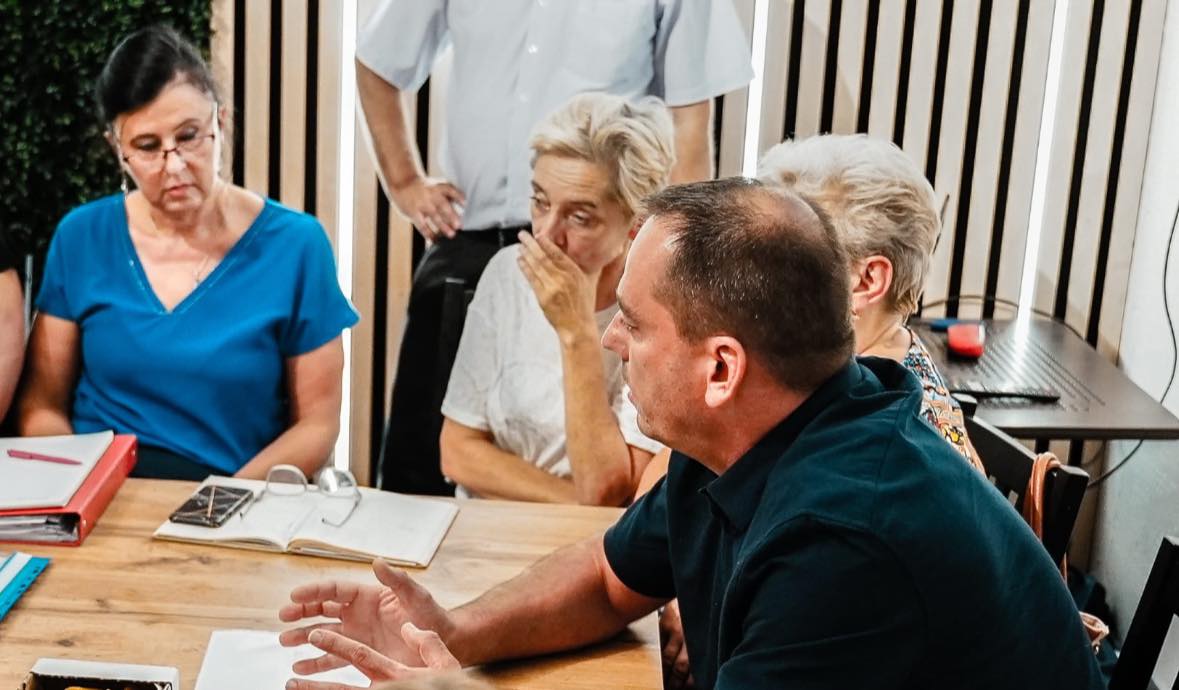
{"x":1097,"y":400}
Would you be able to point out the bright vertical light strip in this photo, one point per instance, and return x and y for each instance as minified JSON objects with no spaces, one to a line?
{"x":761,"y":11}
{"x":344,"y":229}
{"x":1027,"y":283}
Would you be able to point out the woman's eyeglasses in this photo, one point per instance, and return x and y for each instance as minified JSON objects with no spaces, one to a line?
{"x":188,"y":141}
{"x":156,"y":159}
{"x":288,"y":480}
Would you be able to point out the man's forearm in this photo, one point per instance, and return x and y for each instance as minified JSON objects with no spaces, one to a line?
{"x":598,"y":453}
{"x":693,"y":142}
{"x":396,"y":152}
{"x":567,"y":600}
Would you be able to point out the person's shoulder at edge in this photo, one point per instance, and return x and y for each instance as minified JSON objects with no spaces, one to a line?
{"x":503,"y":273}
{"x":296,"y":233}
{"x":98,"y":216}
{"x":504,"y":261}
{"x":292,"y":224}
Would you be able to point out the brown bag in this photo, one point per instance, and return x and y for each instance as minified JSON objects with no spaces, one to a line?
{"x":1033,"y":513}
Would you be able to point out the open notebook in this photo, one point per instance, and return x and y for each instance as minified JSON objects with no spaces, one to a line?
{"x":405,"y":530}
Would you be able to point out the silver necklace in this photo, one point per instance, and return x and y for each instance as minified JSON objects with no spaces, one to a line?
{"x":198,"y":273}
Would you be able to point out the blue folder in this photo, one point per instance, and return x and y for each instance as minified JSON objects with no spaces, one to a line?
{"x":17,"y":572}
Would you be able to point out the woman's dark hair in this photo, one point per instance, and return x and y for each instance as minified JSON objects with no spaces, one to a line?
{"x":142,"y":64}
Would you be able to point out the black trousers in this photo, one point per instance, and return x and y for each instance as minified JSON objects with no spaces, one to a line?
{"x":409,"y":461}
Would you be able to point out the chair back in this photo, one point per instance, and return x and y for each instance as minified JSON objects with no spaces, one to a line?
{"x":1157,"y":609}
{"x":417,"y":470}
{"x":456,"y":297}
{"x":1009,"y":466}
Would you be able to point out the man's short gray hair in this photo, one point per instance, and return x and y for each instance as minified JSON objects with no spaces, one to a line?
{"x":876,"y":197}
{"x":633,"y":140}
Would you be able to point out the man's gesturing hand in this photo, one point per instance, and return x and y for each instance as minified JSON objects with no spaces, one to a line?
{"x":432,"y":657}
{"x":370,"y":624}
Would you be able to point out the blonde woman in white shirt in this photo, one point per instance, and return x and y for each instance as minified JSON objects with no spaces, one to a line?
{"x":536,"y":409}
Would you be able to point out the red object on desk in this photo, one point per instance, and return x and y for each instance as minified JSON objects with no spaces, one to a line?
{"x":966,"y":340}
{"x":95,"y":494}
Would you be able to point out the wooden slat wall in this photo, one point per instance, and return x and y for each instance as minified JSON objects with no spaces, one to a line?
{"x":279,"y":62}
{"x":730,"y":112}
{"x":958,"y":84}
{"x":384,"y":247}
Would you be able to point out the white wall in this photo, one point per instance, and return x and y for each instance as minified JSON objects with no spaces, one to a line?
{"x":1140,"y":503}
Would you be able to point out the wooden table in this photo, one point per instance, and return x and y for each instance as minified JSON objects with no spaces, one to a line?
{"x":123,"y":596}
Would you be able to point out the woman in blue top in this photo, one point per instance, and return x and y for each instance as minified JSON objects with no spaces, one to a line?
{"x":190,"y":312}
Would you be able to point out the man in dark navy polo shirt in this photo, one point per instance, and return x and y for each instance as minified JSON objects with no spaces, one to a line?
{"x":817,"y":532}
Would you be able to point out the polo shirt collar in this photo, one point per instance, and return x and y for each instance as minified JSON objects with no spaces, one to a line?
{"x":735,"y":494}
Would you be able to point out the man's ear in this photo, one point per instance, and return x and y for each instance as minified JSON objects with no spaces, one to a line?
{"x":729,"y":364}
{"x":635,"y":226}
{"x":870,"y":282}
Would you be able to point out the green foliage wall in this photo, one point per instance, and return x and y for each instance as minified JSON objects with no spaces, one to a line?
{"x":52,"y":154}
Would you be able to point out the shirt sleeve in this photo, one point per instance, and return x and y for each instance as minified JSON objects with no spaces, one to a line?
{"x":701,"y":51}
{"x":829,"y":609}
{"x":54,"y":297}
{"x":402,"y":39}
{"x":321,"y":311}
{"x":477,"y":362}
{"x":637,"y":545}
{"x":628,"y":423}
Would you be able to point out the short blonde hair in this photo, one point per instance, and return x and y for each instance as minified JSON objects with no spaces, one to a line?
{"x":877,"y":199}
{"x":633,"y":140}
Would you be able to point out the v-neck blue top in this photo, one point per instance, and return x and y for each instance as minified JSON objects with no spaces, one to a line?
{"x":205,"y":380}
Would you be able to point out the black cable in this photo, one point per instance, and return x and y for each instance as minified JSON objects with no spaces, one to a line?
{"x":992,"y":299}
{"x":1174,"y":355}
{"x":1109,"y":473}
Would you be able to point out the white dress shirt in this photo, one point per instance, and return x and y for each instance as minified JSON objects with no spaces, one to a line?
{"x":516,"y":61}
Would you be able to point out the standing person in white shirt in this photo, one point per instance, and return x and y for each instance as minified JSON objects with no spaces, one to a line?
{"x":515,"y":61}
{"x":536,"y":409}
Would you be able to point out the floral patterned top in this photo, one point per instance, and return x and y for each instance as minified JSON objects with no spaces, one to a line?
{"x":940,"y":408}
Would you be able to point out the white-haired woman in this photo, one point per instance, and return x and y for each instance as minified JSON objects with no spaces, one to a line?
{"x":535,"y":409}
{"x":887,"y":215}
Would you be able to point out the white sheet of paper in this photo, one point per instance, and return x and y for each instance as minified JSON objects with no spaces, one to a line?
{"x":39,"y":484}
{"x":254,"y":660}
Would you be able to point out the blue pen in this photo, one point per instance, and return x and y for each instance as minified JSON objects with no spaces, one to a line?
{"x":941,"y":325}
